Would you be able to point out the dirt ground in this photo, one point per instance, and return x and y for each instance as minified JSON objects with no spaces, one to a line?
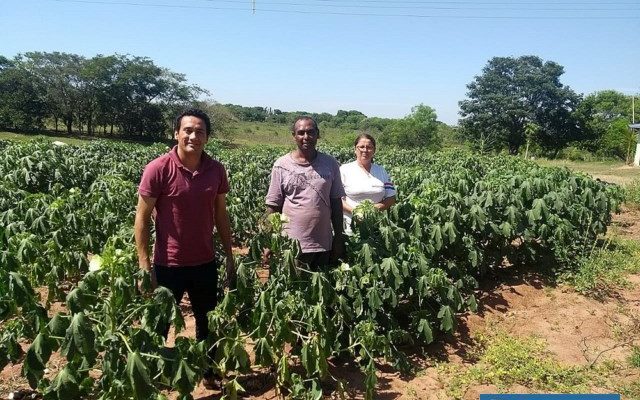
{"x":577,"y":331}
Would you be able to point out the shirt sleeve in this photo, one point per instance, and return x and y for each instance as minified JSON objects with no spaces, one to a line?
{"x":389,"y":187}
{"x":337,"y":190}
{"x":275,"y":196}
{"x":151,"y":182}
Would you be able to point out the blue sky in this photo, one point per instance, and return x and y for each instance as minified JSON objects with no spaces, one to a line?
{"x":327,"y":55}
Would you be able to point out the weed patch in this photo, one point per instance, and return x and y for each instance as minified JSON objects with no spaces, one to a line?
{"x":634,"y":358}
{"x":604,"y":270}
{"x":632,"y":193}
{"x":505,"y":361}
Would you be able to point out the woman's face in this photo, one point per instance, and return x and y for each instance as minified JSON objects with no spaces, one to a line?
{"x":365,"y":150}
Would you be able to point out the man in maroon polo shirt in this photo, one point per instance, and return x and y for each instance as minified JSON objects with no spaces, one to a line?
{"x":186,"y":188}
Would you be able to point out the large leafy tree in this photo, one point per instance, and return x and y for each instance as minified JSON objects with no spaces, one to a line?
{"x":418,"y":129}
{"x":21,"y":106}
{"x":512,"y":93}
{"x":58,"y":77}
{"x":604,"y":117}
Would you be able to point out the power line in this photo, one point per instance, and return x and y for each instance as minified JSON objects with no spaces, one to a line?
{"x":361,"y":14}
{"x":482,"y":2}
{"x":432,"y":7}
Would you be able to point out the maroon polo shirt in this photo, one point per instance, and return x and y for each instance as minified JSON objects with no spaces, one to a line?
{"x":184,"y":208}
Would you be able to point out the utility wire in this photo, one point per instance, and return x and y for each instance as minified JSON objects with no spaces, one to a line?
{"x":360,"y":14}
{"x":432,"y":7}
{"x":483,"y":2}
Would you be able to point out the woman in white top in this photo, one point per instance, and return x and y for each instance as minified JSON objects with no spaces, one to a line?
{"x":364,"y":180}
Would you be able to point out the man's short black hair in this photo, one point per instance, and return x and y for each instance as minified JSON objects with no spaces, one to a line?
{"x":193,"y":112}
{"x":304,"y":118}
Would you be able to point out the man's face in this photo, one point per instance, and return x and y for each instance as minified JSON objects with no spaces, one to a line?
{"x":305,"y":134}
{"x":192,"y":135}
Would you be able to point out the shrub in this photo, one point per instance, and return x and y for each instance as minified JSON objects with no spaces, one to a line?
{"x":632,"y":193}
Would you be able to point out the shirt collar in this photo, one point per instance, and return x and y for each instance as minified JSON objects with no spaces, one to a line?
{"x":205,"y":161}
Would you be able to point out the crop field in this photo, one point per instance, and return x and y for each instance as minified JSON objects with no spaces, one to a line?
{"x":70,"y":284}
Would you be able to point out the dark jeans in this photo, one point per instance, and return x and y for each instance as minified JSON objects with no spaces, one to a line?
{"x":200,"y":282}
{"x":315,"y":261}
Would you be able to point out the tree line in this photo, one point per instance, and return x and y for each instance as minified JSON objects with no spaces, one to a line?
{"x":115,"y":95}
{"x":515,"y":104}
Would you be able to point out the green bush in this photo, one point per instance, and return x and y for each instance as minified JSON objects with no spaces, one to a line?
{"x":573,"y":153}
{"x":632,"y":193}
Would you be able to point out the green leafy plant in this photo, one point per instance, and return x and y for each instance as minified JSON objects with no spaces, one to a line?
{"x":406,"y":274}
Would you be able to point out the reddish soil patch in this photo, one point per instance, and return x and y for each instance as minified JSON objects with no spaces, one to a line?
{"x":627,"y":223}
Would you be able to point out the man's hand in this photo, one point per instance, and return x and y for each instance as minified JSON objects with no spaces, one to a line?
{"x":230,"y":273}
{"x":337,"y":248}
{"x":154,"y":279}
{"x":147,"y":268}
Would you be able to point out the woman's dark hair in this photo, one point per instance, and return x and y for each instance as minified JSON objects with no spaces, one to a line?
{"x":364,"y":136}
{"x":193,"y":112}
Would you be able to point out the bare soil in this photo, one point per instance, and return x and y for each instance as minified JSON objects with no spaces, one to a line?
{"x":577,"y":330}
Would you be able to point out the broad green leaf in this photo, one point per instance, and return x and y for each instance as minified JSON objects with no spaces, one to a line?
{"x":449,"y":231}
{"x":231,"y":390}
{"x":316,"y":391}
{"x":76,"y":300}
{"x":366,"y":255}
{"x":283,"y":372}
{"x":241,"y":356}
{"x":390,"y":267}
{"x":138,"y":377}
{"x":471,"y":302}
{"x":375,"y":302}
{"x":65,"y":385}
{"x":425,"y":329}
{"x":185,"y":378}
{"x":370,"y":380}
{"x":446,"y":318}
{"x":79,"y":338}
{"x":436,"y":236}
{"x":37,"y":357}
{"x":19,"y":289}
{"x":264,"y":353}
{"x":308,"y":357}
{"x":506,"y":229}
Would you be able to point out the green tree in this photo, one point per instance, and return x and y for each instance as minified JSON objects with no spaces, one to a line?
{"x":603,"y":118}
{"x":221,"y":117}
{"x":418,"y":129}
{"x":347,"y":119}
{"x":21,"y":106}
{"x":58,"y":77}
{"x":513,"y":92}
{"x":374,"y":124}
{"x":618,"y":140}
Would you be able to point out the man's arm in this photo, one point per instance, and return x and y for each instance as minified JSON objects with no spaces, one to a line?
{"x":338,"y":229}
{"x":275,"y":197}
{"x":273,"y":209}
{"x":141,"y":229}
{"x":223,"y":226}
{"x":336,"y":216}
